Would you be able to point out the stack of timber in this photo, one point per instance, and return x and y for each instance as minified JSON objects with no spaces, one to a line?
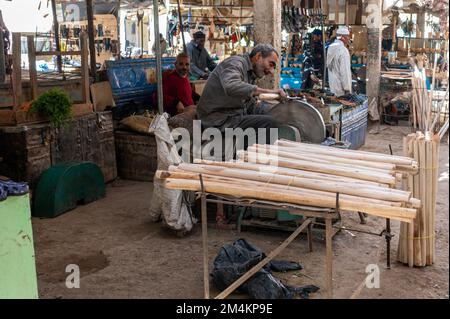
{"x":307,"y":175}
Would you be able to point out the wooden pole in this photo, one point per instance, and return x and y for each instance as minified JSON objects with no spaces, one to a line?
{"x":337,"y":170}
{"x":291,"y":172}
{"x":333,"y":187}
{"x":17,"y":70}
{"x":158,"y":57}
{"x":301,"y":154}
{"x":374,"y":34}
{"x":267,"y":29}
{"x":32,"y":66}
{"x":2,"y":57}
{"x":288,"y":195}
{"x":91,"y":35}
{"x":57,"y":40}
{"x":85,"y":68}
{"x":359,"y":155}
{"x":329,"y":248}
{"x":205,"y":246}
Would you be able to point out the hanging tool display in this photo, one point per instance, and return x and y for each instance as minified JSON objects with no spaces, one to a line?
{"x":180,"y":19}
{"x":140,"y":18}
{"x":295,"y":20}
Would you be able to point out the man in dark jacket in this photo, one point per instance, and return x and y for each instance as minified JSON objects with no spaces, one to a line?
{"x":201,"y":62}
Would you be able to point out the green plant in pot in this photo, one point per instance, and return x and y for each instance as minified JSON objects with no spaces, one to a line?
{"x":56,"y":105}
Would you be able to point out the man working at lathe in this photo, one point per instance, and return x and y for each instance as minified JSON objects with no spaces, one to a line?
{"x":229,"y":97}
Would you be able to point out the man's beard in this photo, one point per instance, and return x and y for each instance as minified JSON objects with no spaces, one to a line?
{"x":259,"y":71}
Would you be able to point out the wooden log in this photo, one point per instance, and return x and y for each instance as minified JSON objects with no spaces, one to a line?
{"x":290,"y":172}
{"x":360,"y":155}
{"x":85,"y":69}
{"x":305,"y":155}
{"x":410,"y":187}
{"x":429,"y":194}
{"x":424,"y":199}
{"x":321,"y":168}
{"x":32,"y":66}
{"x":294,"y":197}
{"x":314,"y":184}
{"x":417,"y":221}
{"x":337,"y":159}
{"x":436,"y":146}
{"x":180,"y":174}
{"x":17,"y":70}
{"x":290,"y":156}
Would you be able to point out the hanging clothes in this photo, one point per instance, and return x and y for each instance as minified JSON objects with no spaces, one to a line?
{"x":339,"y":68}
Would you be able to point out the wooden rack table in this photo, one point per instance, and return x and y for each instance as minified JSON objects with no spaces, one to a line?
{"x":309,"y":214}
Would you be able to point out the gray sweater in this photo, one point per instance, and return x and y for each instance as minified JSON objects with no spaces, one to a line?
{"x":228,"y":93}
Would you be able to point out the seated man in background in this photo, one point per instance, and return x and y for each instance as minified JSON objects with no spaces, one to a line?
{"x":202,"y":63}
{"x":178,"y":94}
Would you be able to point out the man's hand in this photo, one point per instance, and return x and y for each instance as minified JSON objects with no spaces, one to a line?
{"x":282,"y":94}
{"x":180,"y":108}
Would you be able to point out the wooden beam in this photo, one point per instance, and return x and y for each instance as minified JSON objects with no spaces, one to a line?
{"x":336,"y":11}
{"x":267,"y":17}
{"x":90,"y":19}
{"x":56,"y":30}
{"x":374,"y":34}
{"x":17,"y":70}
{"x":32,"y":66}
{"x":2,"y":58}
{"x":57,"y":53}
{"x":85,"y":68}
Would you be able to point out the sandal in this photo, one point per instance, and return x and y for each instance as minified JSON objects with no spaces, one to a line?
{"x":3,"y":194}
{"x":14,"y":189}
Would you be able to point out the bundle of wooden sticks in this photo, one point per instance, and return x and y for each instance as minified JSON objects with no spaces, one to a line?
{"x":306,"y":175}
{"x":417,"y":239}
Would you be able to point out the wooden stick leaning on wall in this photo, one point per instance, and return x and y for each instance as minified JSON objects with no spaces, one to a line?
{"x":17,"y":70}
{"x":32,"y":66}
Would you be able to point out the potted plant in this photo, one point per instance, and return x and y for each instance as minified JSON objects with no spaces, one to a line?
{"x":54,"y":104}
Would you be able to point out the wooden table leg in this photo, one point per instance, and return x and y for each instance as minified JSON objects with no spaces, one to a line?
{"x":309,"y":234}
{"x":329,"y":247}
{"x":205,"y":246}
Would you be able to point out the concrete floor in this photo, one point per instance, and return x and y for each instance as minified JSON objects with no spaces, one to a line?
{"x":121,"y":254}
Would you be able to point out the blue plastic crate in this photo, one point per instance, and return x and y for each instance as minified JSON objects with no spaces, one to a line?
{"x":129,"y":82}
{"x":354,"y":125}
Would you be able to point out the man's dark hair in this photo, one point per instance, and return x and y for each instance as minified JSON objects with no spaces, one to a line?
{"x":199,"y":35}
{"x":265,"y":49}
{"x":183,"y":55}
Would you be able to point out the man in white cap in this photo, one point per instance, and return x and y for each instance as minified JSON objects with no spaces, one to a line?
{"x":338,"y":63}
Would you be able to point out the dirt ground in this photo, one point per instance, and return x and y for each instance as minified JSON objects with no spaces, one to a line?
{"x":122,"y":254}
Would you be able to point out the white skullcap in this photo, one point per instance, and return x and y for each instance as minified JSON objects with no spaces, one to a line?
{"x":342,"y":30}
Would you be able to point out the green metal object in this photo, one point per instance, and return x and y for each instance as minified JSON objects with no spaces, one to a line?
{"x":284,"y":216}
{"x":290,"y":133}
{"x":62,"y":187}
{"x":17,"y":264}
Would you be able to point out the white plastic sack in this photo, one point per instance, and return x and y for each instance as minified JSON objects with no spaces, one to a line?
{"x":168,"y":204}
